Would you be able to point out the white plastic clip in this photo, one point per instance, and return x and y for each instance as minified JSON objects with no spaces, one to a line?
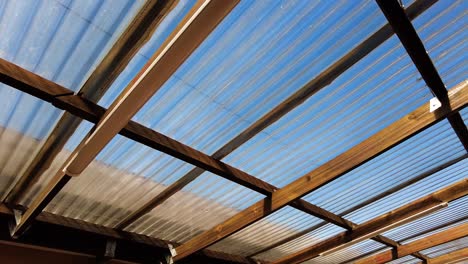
{"x":434,"y":104}
{"x":172,"y":250}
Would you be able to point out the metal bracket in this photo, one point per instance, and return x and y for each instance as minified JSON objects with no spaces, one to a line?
{"x":434,"y":104}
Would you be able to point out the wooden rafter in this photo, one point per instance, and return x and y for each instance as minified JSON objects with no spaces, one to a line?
{"x":33,"y":84}
{"x":85,"y":235}
{"x":381,"y":223}
{"x":81,"y":107}
{"x":390,"y":136}
{"x":408,"y":36}
{"x":364,"y":203}
{"x":418,"y":245}
{"x":451,"y":257}
{"x":194,"y":28}
{"x":127,"y":45}
{"x":312,"y":87}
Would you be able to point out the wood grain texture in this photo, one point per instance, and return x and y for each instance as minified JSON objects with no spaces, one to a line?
{"x":83,"y":108}
{"x":418,"y":245}
{"x":137,"y":33}
{"x":190,"y":32}
{"x":390,"y":219}
{"x":321,"y":81}
{"x":452,"y":257}
{"x":390,"y":136}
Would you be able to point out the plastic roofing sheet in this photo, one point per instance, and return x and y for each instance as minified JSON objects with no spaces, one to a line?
{"x":430,"y":148}
{"x":456,"y":213}
{"x":375,"y":92}
{"x":433,"y":183}
{"x":445,"y":39}
{"x":128,"y":150}
{"x":446,"y":248}
{"x":277,"y":226}
{"x":406,"y":260}
{"x":309,"y":239}
{"x":348,"y":254}
{"x":204,"y":203}
{"x":61,"y":41}
{"x":260,"y":54}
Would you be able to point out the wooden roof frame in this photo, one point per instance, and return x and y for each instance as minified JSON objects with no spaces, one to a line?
{"x":436,"y":239}
{"x":375,"y":226}
{"x":78,"y":105}
{"x":137,"y":33}
{"x":195,"y":27}
{"x":451,"y":257}
{"x":390,"y":136}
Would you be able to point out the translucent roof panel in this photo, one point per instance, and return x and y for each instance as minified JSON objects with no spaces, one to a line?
{"x":374,"y":93}
{"x":24,"y":124}
{"x":455,"y":214}
{"x":405,"y":260}
{"x":124,"y":176}
{"x":268,"y":231}
{"x":204,"y":203}
{"x":433,"y":183}
{"x":446,"y":248}
{"x":350,"y":253}
{"x":400,"y":164}
{"x":464,"y":114}
{"x":261,"y":53}
{"x":304,"y":241}
{"x":62,"y":40}
{"x":445,"y":38}
{"x":124,"y":164}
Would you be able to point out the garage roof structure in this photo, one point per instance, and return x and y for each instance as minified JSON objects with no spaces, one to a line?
{"x":236,"y":131}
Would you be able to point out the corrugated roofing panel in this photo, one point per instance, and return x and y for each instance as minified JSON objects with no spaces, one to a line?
{"x":377,"y":91}
{"x":408,"y":194}
{"x":406,"y":260}
{"x":455,"y":214}
{"x":61,"y":41}
{"x":204,"y":203}
{"x":349,"y":254}
{"x":126,"y":173}
{"x":304,"y":241}
{"x":445,"y":38}
{"x":446,"y":248}
{"x":428,"y":149}
{"x":272,"y":229}
{"x":261,"y":53}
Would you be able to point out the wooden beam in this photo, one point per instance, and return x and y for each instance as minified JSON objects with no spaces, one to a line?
{"x":315,"y":85}
{"x":390,"y":136}
{"x":367,"y":202}
{"x":90,"y":111}
{"x":193,"y":29}
{"x":54,"y":232}
{"x":137,"y":33}
{"x":402,"y":185}
{"x":418,"y":245}
{"x":452,"y":257}
{"x":373,"y":227}
{"x":408,"y":36}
